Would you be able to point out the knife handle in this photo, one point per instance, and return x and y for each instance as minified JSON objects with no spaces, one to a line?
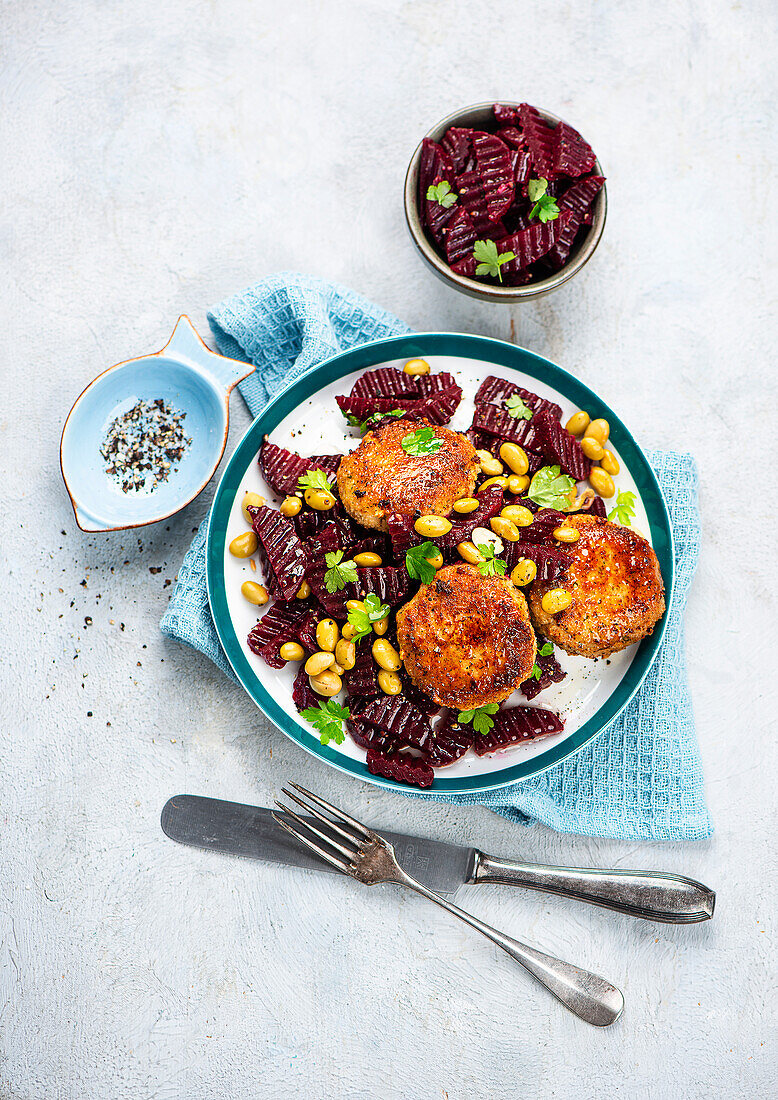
{"x":654,"y":895}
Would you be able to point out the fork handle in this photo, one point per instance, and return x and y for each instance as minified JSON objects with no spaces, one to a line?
{"x":654,"y":895}
{"x":591,"y":998}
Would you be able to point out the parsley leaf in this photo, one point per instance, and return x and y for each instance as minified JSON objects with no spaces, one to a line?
{"x":490,"y":565}
{"x":421,"y":442}
{"x":328,"y":718}
{"x":516,"y":407}
{"x":550,"y":488}
{"x":363,"y":621}
{"x":315,"y":479}
{"x":480,"y":717}
{"x":624,"y":511}
{"x":339,"y":572}
{"x":370,"y":421}
{"x":545,"y":206}
{"x":489,"y":262}
{"x":417,"y":562}
{"x":544,"y":651}
{"x":442,"y":194}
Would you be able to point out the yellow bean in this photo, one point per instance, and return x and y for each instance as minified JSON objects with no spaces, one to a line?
{"x":348,"y":631}
{"x":385,"y":655}
{"x":327,"y":635}
{"x":578,"y":423}
{"x":317,"y":663}
{"x":367,"y":558}
{"x":253,"y":499}
{"x":436,"y":561}
{"x":381,"y":626}
{"x":524,"y":572}
{"x":243,"y":546}
{"x":355,"y":605}
{"x":319,"y":499}
{"x":303,"y":592}
{"x":518,"y":483}
{"x":489,"y":464}
{"x":592,"y":448}
{"x":254,"y":593}
{"x":346,"y":653}
{"x":556,"y":600}
{"x":327,"y":684}
{"x":389,"y":682}
{"x":602,"y":482}
{"x":518,"y":514}
{"x":504,"y":528}
{"x":337,"y":669}
{"x":290,"y":506}
{"x":515,"y":457}
{"x":432,"y":527}
{"x":417,"y":366}
{"x":291,"y":651}
{"x":501,"y":481}
{"x":599,"y":430}
{"x":610,"y":463}
{"x":469,"y":552}
{"x":566,"y":534}
{"x":465,"y":505}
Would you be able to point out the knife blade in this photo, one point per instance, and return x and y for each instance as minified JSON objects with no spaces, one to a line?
{"x":236,"y":829}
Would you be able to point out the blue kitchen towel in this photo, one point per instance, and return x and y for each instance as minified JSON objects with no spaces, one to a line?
{"x":641,"y":778}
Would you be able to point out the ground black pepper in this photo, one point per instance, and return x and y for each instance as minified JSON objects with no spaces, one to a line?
{"x":145,"y":444}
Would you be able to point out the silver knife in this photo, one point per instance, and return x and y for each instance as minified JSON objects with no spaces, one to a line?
{"x":236,"y":829}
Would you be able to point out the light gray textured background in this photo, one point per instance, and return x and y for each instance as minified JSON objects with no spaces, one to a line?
{"x":156,"y":157}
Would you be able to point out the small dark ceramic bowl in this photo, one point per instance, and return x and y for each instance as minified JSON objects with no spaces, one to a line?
{"x":479,"y":117}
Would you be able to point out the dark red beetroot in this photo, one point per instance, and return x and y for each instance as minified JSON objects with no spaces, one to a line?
{"x":396,"y":716}
{"x":450,"y":741}
{"x":496,"y":172}
{"x":559,"y":447}
{"x":386,"y":382}
{"x":499,"y":422}
{"x":531,"y":244}
{"x":460,"y":238}
{"x":401,"y":767}
{"x":362,"y":680}
{"x":280,"y":624}
{"x":496,"y":391}
{"x":517,"y":724}
{"x":578,"y":200}
{"x":283,"y":469}
{"x":490,"y":501}
{"x":551,"y":672}
{"x":457,"y":144}
{"x":283,"y":555}
{"x":303,"y":694}
{"x":551,"y":562}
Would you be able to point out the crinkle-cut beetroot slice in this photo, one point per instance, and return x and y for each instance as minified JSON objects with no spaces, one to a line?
{"x":496,"y":391}
{"x":279,"y":624}
{"x":542,"y":526}
{"x":306,"y":632}
{"x":331,"y":537}
{"x":498,"y":422}
{"x":450,"y":741}
{"x":283,"y":552}
{"x":578,"y":200}
{"x":368,"y":737}
{"x":388,"y":582}
{"x":528,"y":245}
{"x":517,"y":724}
{"x":400,"y":766}
{"x":385,"y":382}
{"x":307,"y":523}
{"x":490,"y":501}
{"x":551,"y":672}
{"x":504,"y":114}
{"x":402,"y":533}
{"x":438,"y":408}
{"x":434,"y":164}
{"x":572,"y":155}
{"x":551,"y":562}
{"x":457,"y":145}
{"x":283,"y":469}
{"x":465,"y":267}
{"x":430,"y":384}
{"x":365,"y":407}
{"x":540,"y":140}
{"x":436,"y":217}
{"x":399,"y":718}
{"x":423,"y":702}
{"x":496,"y":171}
{"x":362,"y":680}
{"x":511,"y":135}
{"x":460,"y":237}
{"x":303,"y":695}
{"x":334,"y":603}
{"x":472,"y":198}
{"x":560,"y":447}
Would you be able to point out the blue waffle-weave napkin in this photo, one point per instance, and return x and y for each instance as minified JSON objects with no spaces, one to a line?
{"x":641,"y":778}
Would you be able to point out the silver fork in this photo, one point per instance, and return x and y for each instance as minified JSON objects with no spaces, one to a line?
{"x":369,"y":859}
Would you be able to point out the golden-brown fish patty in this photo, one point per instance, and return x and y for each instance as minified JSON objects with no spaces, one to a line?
{"x":466,"y":639}
{"x":617,"y":589}
{"x":379,"y":477}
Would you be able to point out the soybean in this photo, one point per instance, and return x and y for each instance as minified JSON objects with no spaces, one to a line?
{"x":514,"y":457}
{"x":592,"y":448}
{"x":432,"y":527}
{"x":602,"y":481}
{"x":610,"y":463}
{"x":327,"y":635}
{"x":566,"y":534}
{"x":416,"y":366}
{"x":501,"y":481}
{"x":470,"y":552}
{"x":436,"y":561}
{"x":303,"y":592}
{"x":254,"y":593}
{"x":578,"y":423}
{"x":489,"y":464}
{"x":291,"y":651}
{"x":518,"y":514}
{"x":367,"y":558}
{"x":327,"y":684}
{"x":518,"y":483}
{"x":381,"y":626}
{"x":504,"y":528}
{"x":348,"y":631}
{"x":556,"y":600}
{"x":524,"y":572}
{"x":346,"y":653}
{"x":465,"y":505}
{"x":385,"y":655}
{"x":318,"y":662}
{"x":355,"y":605}
{"x":389,"y":682}
{"x":598,"y":429}
{"x":319,"y":499}
{"x":290,"y":506}
{"x":255,"y":501}
{"x":243,"y":546}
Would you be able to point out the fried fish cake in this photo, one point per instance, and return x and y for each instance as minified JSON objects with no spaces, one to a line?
{"x":617,"y":589}
{"x":379,"y":477}
{"x":465,"y":639}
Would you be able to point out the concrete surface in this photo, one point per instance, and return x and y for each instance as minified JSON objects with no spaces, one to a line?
{"x":156,"y":157}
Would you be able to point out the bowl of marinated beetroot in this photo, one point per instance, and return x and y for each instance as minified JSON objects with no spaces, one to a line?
{"x":505,"y":201}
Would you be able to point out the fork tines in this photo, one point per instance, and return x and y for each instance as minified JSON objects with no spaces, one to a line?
{"x":327,"y":846}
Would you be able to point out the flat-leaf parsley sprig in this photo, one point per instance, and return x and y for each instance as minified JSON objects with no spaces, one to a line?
{"x":489,"y":261}
{"x":518,"y":408}
{"x":481,"y":717}
{"x":545,"y":207}
{"x":340,"y":572}
{"x":442,"y":194}
{"x":418,"y":563}
{"x":490,"y":565}
{"x":315,"y":479}
{"x":364,"y":621}
{"x":328,"y":718}
{"x":544,"y":651}
{"x":624,"y":511}
{"x":371,"y":421}
{"x":421,"y":442}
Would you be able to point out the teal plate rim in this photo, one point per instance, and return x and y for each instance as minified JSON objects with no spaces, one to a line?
{"x":488,"y":351}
